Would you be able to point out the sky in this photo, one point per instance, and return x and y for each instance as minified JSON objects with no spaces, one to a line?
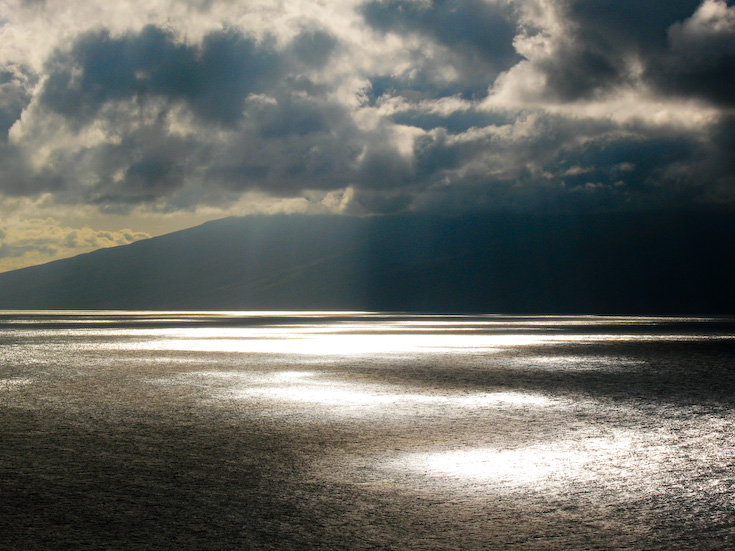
{"x":123,"y":120}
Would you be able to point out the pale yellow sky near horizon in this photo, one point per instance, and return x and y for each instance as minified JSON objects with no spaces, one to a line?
{"x":41,"y":234}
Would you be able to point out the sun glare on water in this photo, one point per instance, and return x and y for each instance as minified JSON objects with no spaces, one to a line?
{"x":326,"y":343}
{"x":562,"y":461}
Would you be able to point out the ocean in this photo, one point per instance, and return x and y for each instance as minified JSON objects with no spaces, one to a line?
{"x":358,"y":430}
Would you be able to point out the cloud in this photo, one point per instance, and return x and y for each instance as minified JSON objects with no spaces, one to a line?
{"x":700,"y":61}
{"x":212,"y":79}
{"x":141,"y":116}
{"x":368,"y":107}
{"x":476,"y":29}
{"x":583,"y":49}
{"x":550,"y":163}
{"x":474,"y":40}
{"x":15,"y":95}
{"x":41,"y":240}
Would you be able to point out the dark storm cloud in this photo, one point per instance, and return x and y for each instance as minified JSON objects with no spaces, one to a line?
{"x":154,"y":119}
{"x":700,"y":61}
{"x":146,"y":165}
{"x":15,"y":171}
{"x":560,"y":164}
{"x":287,"y":144}
{"x":15,"y":95}
{"x":677,"y":56}
{"x":312,"y":47}
{"x":634,"y":160}
{"x":282,"y":131}
{"x":625,"y":25}
{"x":383,"y":167}
{"x":212,"y":78}
{"x":475,"y":28}
{"x":591,"y":58}
{"x":18,"y":177}
{"x":479,"y":33}
{"x":710,"y":176}
{"x":293,"y":116}
{"x":579,"y":71}
{"x":146,"y":179}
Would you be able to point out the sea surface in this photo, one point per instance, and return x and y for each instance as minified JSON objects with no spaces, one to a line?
{"x":350,"y":430}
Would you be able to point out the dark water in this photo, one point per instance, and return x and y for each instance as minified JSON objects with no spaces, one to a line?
{"x":365,"y":431}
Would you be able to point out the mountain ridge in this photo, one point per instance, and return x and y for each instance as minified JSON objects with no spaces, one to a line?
{"x":645,"y":263}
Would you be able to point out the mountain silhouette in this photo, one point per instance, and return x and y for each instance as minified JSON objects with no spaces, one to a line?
{"x":606,"y":264}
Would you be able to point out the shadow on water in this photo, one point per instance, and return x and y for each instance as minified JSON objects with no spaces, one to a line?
{"x":682,"y":372}
{"x":216,"y":484}
{"x":228,"y":483}
{"x":143,"y":448}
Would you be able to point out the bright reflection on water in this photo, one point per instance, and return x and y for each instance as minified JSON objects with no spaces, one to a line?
{"x":537,"y":465}
{"x":304,"y":388}
{"x":10,"y":383}
{"x":334,"y":430}
{"x":321,"y":342}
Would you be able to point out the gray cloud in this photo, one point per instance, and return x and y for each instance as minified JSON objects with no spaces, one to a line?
{"x":680,"y":51}
{"x":488,"y":106}
{"x":150,"y":165}
{"x":213,"y":78}
{"x":282,"y":134}
{"x":479,"y":34}
{"x":557,"y":164}
{"x":312,"y":47}
{"x":580,"y":70}
{"x":477,"y":29}
{"x":616,"y":26}
{"x":18,"y":177}
{"x":591,"y":53}
{"x":15,"y":96}
{"x":700,"y":61}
